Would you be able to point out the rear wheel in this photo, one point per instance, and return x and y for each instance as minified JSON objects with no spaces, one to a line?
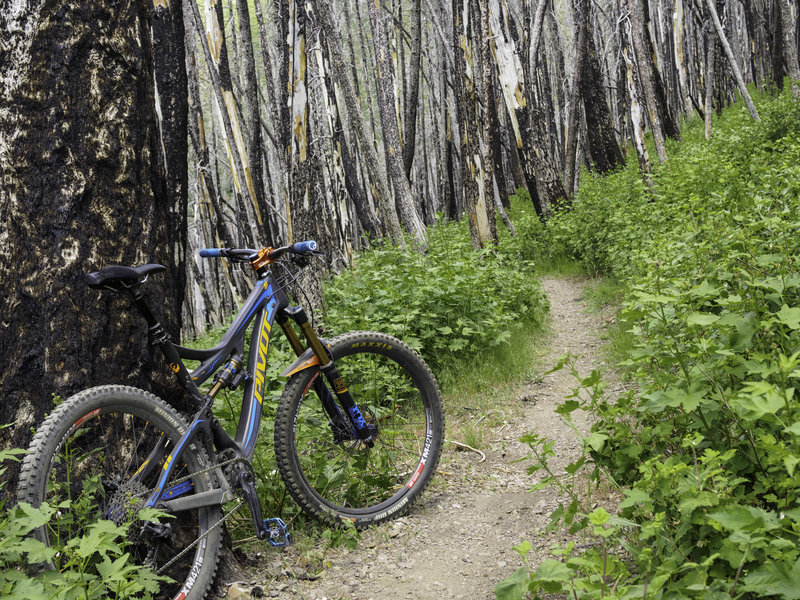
{"x":335,"y":476}
{"x":98,"y":456}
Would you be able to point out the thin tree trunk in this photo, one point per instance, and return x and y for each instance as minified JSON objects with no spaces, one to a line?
{"x":368,"y":151}
{"x":536,"y":34}
{"x":252,"y":114}
{"x":737,"y":74}
{"x":603,"y":146}
{"x":406,"y":205}
{"x":368,"y":77}
{"x":634,"y":105}
{"x":488,"y":159}
{"x":344,"y":172}
{"x":538,"y":163}
{"x":711,"y":62}
{"x":679,"y":56}
{"x":558,"y":76}
{"x":414,"y":70}
{"x":169,"y":54}
{"x":303,"y":203}
{"x":278,"y":176}
{"x":496,"y":135}
{"x":643,"y":63}
{"x":573,"y":123}
{"x":225,"y":102}
{"x":790,"y":45}
{"x":670,"y":125}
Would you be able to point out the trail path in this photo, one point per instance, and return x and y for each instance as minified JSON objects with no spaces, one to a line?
{"x":456,"y":543}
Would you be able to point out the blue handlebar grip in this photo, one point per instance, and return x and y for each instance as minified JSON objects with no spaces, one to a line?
{"x":306,"y":247}
{"x":209,"y":252}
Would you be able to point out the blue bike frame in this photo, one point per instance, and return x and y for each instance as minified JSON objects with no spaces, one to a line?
{"x":265,"y":304}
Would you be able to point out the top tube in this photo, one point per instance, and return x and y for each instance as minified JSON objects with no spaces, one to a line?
{"x":233,"y":340}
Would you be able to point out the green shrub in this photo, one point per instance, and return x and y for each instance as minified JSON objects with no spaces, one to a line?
{"x":708,"y":451}
{"x":95,"y":565}
{"x":451,"y":303}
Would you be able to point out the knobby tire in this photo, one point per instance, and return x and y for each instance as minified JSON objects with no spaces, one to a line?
{"x":86,"y":452}
{"x":345,"y":479}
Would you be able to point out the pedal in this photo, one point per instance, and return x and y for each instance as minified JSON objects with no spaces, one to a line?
{"x":277,"y":534}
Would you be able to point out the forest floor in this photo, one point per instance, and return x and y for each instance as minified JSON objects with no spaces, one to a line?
{"x":457,"y":541}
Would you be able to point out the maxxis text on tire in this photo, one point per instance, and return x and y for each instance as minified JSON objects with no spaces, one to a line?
{"x":87,"y":450}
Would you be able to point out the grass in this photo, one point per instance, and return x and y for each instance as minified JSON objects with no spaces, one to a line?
{"x":562,"y":266}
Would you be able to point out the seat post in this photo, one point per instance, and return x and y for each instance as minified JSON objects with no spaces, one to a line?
{"x":158,"y":335}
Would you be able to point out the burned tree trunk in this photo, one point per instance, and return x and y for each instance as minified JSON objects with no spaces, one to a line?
{"x":376,"y":172}
{"x":79,"y":192}
{"x":573,"y":122}
{"x":169,"y":56}
{"x":406,"y":205}
{"x":414,"y":72}
{"x":252,"y":118}
{"x":789,"y":23}
{"x":737,"y":74}
{"x":643,"y":63}
{"x":603,"y":146}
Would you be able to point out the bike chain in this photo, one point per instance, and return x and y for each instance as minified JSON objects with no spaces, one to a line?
{"x":201,"y":538}
{"x":219,"y":523}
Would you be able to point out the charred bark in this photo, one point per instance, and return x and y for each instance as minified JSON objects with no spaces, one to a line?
{"x":404,"y":200}
{"x":603,"y":146}
{"x":340,"y":70}
{"x":412,"y":102}
{"x":82,"y":187}
{"x":169,"y":57}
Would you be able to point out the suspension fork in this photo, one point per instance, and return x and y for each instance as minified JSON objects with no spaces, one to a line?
{"x":362,"y":429}
{"x":340,"y":424}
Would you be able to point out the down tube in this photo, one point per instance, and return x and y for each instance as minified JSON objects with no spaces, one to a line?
{"x":250,"y":418}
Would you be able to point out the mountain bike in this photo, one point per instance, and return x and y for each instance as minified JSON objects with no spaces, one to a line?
{"x":358,"y":432}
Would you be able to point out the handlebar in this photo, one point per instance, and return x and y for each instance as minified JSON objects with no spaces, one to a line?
{"x":305,"y":248}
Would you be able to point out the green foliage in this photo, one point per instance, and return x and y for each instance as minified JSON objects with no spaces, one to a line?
{"x":451,"y":303}
{"x":94,"y":565}
{"x":708,"y":451}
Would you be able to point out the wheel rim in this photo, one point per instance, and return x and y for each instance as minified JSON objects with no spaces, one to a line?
{"x":90,"y":480}
{"x":349,"y":477}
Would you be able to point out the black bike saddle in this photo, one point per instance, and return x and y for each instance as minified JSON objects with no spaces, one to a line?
{"x":117,"y":277}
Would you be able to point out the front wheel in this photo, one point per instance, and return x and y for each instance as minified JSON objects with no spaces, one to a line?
{"x":337,"y":477}
{"x":97,"y":457}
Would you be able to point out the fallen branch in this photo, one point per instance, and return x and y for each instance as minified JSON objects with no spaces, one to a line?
{"x":483,"y":456}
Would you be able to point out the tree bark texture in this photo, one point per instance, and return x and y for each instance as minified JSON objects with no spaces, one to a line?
{"x":216,"y":54}
{"x":304,"y":201}
{"x":171,"y":91}
{"x":82,"y":187}
{"x":414,"y":72}
{"x":708,"y":97}
{"x":380,"y":184}
{"x":406,"y":204}
{"x":602,"y":141}
{"x":789,"y":24}
{"x":658,"y":73}
{"x":581,"y":18}
{"x":643,"y":63}
{"x":252,"y":120}
{"x":737,"y":74}
{"x":634,"y":104}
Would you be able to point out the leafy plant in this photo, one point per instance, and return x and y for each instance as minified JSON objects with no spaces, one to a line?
{"x":707,"y":452}
{"x":452,"y":303}
{"x":94,"y":565}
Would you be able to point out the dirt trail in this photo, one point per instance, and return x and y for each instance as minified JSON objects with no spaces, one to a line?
{"x":457,"y":541}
